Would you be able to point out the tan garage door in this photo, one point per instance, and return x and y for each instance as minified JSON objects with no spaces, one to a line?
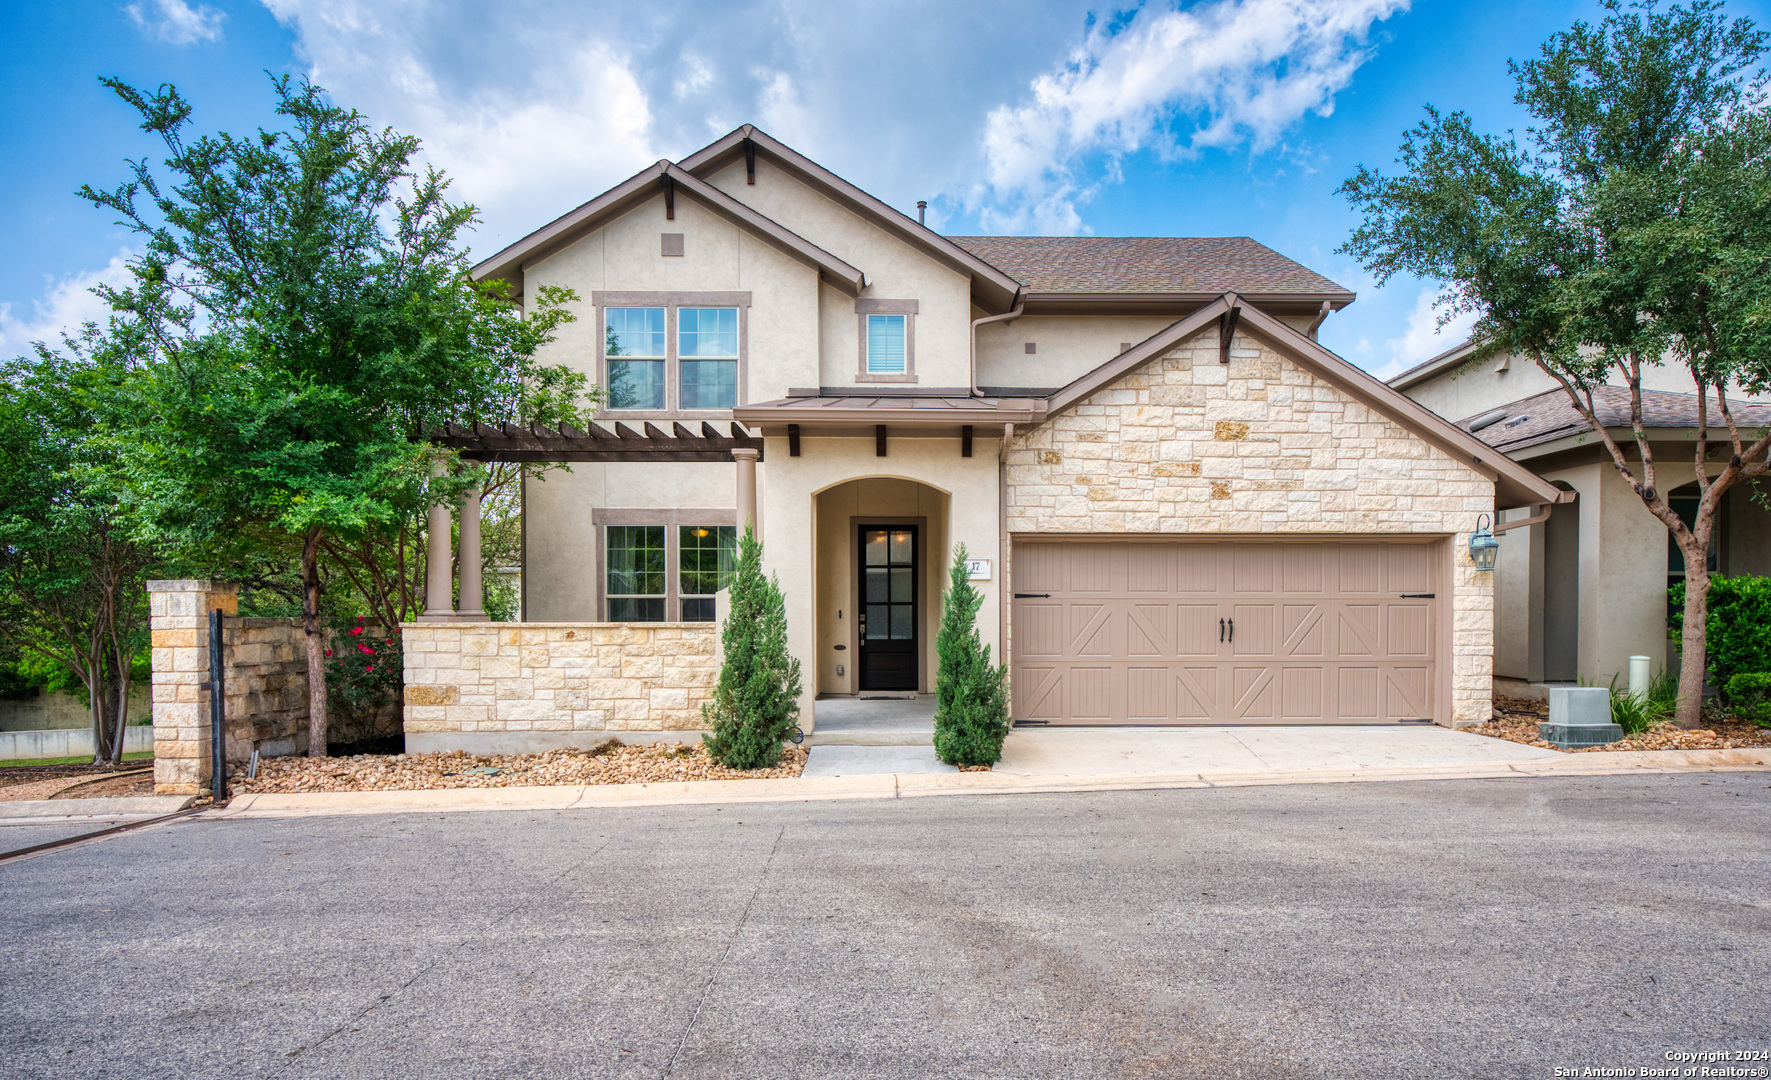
{"x":1166,"y":632}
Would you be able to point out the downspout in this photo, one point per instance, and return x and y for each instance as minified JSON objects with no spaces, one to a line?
{"x":1002,"y":639}
{"x":1020,"y":306}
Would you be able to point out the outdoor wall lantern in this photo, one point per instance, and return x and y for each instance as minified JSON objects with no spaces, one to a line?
{"x":1484,"y":548}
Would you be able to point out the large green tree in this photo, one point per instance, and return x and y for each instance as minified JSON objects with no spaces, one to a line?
{"x":306,"y":295}
{"x":1629,"y":228}
{"x":72,"y":575}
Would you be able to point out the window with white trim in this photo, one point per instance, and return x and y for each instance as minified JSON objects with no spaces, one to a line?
{"x":636,"y":573}
{"x":634,"y":344}
{"x":886,"y":336}
{"x":707,"y":357}
{"x":706,"y":558}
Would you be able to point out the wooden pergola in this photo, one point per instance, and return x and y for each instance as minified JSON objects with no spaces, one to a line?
{"x":616,"y":442}
{"x":538,"y":442}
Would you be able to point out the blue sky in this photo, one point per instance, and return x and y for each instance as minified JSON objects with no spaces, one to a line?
{"x":1220,"y":117}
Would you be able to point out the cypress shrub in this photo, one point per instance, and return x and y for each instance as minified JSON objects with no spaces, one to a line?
{"x":756,"y":705}
{"x":971,"y":693}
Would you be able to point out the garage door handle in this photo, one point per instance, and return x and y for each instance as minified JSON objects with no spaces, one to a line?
{"x":1220,"y":631}
{"x":1033,"y":596}
{"x":1232,"y":631}
{"x":1417,"y":596}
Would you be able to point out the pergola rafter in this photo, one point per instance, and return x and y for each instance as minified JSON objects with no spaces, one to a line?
{"x":618,"y":442}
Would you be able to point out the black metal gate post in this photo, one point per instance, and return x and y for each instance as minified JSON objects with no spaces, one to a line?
{"x":218,"y":775}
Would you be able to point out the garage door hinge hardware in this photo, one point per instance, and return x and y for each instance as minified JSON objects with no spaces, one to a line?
{"x":1033,"y":596}
{"x":1418,"y":596}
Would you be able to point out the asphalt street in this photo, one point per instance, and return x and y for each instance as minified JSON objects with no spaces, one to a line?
{"x":1499,"y":928}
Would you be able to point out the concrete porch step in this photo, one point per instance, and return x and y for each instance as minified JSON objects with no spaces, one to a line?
{"x":847,"y":721}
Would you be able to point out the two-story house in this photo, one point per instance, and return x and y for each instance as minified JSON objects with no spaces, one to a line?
{"x":1182,"y":508}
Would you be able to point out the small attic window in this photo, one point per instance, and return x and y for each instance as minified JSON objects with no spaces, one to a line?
{"x":670,"y":244}
{"x":1032,"y":347}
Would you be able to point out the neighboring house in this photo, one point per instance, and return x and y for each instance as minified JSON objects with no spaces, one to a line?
{"x":1579,"y":594}
{"x":1184,"y":509}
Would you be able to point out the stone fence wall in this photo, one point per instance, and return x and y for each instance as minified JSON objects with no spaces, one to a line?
{"x":504,"y":688}
{"x":264,"y":680}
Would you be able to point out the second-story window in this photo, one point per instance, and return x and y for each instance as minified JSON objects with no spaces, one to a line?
{"x":633,"y":341}
{"x":707,"y":357}
{"x":885,"y":345}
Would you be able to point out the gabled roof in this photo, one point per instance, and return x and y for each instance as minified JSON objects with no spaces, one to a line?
{"x":1514,"y":484}
{"x":994,"y":288}
{"x":1449,"y":360}
{"x":1549,"y":417}
{"x":645,"y":185}
{"x":1203,"y":266}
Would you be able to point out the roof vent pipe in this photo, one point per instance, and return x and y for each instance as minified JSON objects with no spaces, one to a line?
{"x":1020,"y":306}
{"x":922,"y":211}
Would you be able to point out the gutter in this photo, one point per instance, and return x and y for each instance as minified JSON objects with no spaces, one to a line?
{"x":1020,"y":306}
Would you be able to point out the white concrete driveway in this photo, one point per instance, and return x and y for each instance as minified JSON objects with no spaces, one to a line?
{"x":1096,"y":752}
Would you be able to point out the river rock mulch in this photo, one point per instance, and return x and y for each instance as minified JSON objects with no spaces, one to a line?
{"x":611,"y":763}
{"x":1516,"y":720}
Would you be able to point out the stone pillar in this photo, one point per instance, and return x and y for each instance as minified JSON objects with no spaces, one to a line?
{"x":746,"y":459}
{"x":472,"y":604}
{"x":178,"y":617}
{"x":438,"y":576}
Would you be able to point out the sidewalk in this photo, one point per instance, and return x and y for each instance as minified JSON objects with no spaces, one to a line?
{"x":1075,"y":760}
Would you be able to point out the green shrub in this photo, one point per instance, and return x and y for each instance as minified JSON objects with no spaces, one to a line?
{"x":1750,"y":694}
{"x":365,"y":671}
{"x":756,"y":705}
{"x":1739,"y":625}
{"x":971,"y":698}
{"x":1637,"y":714}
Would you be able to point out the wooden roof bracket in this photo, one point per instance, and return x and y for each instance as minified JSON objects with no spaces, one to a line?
{"x":669,"y":199}
{"x":792,"y":440}
{"x":1227,"y":332}
{"x":750,"y":162}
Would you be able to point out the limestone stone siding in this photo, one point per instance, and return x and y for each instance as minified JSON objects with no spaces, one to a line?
{"x":1261,"y":445}
{"x":499,"y":677}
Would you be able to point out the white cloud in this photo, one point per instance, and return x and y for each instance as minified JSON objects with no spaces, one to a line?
{"x":1425,"y":335}
{"x":65,"y":305}
{"x":535,"y":106}
{"x":1214,"y":75}
{"x":176,"y":22}
{"x":574,"y":125}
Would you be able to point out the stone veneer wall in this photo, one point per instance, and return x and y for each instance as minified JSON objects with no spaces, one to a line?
{"x":557,"y":678}
{"x":1187,"y":444}
{"x":264,"y":678}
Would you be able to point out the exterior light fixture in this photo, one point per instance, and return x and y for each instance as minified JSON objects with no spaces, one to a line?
{"x":1484,"y":548}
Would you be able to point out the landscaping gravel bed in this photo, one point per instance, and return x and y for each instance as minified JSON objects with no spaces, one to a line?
{"x":611,"y":763}
{"x":1516,"y":720}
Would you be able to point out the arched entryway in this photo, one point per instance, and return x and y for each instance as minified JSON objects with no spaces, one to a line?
{"x":882,"y":554}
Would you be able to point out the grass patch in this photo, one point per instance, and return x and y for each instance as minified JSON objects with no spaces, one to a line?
{"x":83,"y":759}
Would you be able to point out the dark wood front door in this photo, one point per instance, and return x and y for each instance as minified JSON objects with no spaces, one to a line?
{"x":889,"y":612}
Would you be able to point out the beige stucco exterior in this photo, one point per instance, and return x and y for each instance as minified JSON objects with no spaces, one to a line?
{"x":1176,"y":445}
{"x":1577,"y":596}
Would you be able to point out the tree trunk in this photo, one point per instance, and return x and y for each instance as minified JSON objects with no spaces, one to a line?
{"x":95,"y":696}
{"x":316,"y":645}
{"x":1694,"y":641}
{"x":121,"y":726}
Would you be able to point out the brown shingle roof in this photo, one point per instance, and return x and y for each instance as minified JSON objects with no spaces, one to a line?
{"x":1144,"y":264}
{"x":1550,"y":416}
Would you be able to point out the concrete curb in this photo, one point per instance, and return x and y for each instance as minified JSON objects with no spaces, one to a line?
{"x":80,"y":809}
{"x":905,"y":785}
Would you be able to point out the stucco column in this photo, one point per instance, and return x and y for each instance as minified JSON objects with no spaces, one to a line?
{"x":438,"y":575}
{"x":472,"y":604}
{"x":746,"y":459}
